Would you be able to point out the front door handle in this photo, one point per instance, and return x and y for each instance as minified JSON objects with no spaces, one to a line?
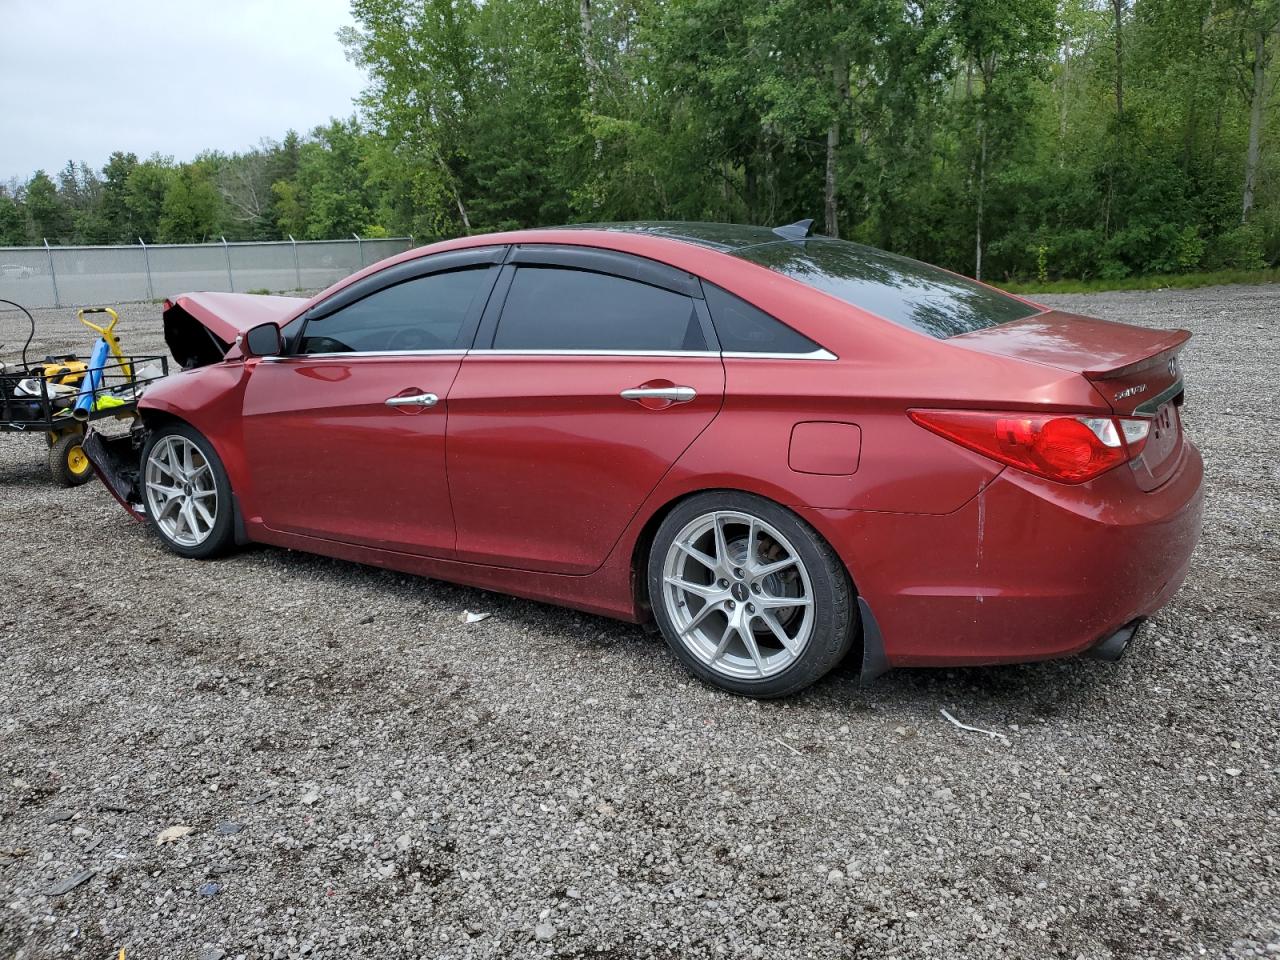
{"x":414,"y":400}
{"x":673,"y":394}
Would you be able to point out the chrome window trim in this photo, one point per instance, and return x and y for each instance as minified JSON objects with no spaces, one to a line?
{"x":456,"y":352}
{"x":498,"y":352}
{"x":820,"y":354}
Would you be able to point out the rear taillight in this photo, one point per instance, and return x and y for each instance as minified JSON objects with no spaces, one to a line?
{"x":1065,"y":448}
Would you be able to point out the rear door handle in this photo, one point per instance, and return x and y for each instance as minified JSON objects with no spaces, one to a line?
{"x":414,"y":400}
{"x":674,"y":394}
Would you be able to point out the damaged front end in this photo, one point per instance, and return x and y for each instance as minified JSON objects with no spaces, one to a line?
{"x":201,"y":331}
{"x":117,"y":460}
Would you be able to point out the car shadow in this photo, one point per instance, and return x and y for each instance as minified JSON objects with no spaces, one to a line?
{"x":1042,"y":689}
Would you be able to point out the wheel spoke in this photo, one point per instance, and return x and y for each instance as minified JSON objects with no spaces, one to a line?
{"x":164,"y":464}
{"x":769,"y":568}
{"x":189,"y":519}
{"x":707,"y":590}
{"x":698,"y":555}
{"x":699,"y":617}
{"x":722,"y":547}
{"x":165,"y":490}
{"x":202,"y":512}
{"x":723,"y":645}
{"x":783,"y":638}
{"x":180,"y":526}
{"x":753,"y":648}
{"x":778,"y":603}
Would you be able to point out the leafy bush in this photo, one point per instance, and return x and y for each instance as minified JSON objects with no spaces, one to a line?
{"x":1241,"y":248}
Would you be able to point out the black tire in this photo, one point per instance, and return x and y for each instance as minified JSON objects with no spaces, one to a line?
{"x":67,"y":462}
{"x":221,"y":535}
{"x":834,"y":602}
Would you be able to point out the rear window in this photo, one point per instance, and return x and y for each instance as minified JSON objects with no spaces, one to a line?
{"x":909,"y":293}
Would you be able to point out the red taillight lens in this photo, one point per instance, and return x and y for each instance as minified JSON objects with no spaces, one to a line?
{"x":1068,"y":449}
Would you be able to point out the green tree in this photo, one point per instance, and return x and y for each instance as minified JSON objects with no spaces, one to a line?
{"x":334,"y":179}
{"x":189,"y":212}
{"x":117,"y":217}
{"x":422,"y":61}
{"x":12,"y":220}
{"x":144,"y":196}
{"x":47,"y":217}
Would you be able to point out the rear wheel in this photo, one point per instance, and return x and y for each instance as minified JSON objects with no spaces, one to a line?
{"x":188,"y":495}
{"x":748,"y":595}
{"x":67,"y":461}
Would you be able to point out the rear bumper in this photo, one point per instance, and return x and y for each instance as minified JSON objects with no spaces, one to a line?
{"x":1027,"y":570}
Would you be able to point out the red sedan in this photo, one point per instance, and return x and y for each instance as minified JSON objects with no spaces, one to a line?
{"x":780,"y":447}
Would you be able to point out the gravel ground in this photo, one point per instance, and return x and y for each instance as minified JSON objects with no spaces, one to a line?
{"x":363,"y":775}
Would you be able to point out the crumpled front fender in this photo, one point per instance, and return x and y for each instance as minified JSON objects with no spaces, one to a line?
{"x":117,"y":462}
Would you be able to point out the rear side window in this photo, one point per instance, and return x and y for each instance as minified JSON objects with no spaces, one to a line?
{"x":553,"y":308}
{"x":423,"y":314}
{"x":742,"y":328}
{"x":910,"y":293}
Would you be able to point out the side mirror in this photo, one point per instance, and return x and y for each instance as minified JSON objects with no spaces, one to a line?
{"x":264,"y":340}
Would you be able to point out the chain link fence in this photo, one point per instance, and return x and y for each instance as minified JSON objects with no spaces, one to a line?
{"x":83,"y":276}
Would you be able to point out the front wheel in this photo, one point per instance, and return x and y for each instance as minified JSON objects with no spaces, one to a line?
{"x":748,"y":595}
{"x":188,"y":495}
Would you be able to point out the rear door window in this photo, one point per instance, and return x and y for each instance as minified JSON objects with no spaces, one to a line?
{"x":427,"y":313}
{"x":558,"y":309}
{"x":912,"y":294}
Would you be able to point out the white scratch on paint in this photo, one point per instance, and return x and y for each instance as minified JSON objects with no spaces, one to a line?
{"x":982,"y":522}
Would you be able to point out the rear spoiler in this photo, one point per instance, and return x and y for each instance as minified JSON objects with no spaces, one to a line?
{"x":1152,"y":356}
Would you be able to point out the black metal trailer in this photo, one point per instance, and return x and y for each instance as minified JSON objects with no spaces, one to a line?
{"x":34,"y":400}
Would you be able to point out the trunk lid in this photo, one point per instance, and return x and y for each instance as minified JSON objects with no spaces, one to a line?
{"x":1134,"y":369}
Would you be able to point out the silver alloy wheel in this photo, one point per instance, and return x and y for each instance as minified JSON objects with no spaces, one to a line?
{"x":738,"y":595}
{"x":182,"y":493}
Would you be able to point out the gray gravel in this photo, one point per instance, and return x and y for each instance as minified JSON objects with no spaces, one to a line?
{"x":364,"y":775}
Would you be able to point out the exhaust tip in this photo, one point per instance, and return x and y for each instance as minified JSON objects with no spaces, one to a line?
{"x":1111,"y":648}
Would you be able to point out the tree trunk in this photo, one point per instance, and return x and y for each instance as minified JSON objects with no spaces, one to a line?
{"x":453,"y":188}
{"x":1256,"y":105}
{"x":831,"y":209}
{"x":982,"y":196}
{"x":589,"y":60}
{"x":1118,"y":7}
{"x":829,"y":194}
{"x":1063,"y":106}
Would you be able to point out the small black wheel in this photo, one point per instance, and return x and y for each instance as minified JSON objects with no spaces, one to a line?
{"x":748,"y":595}
{"x":186,"y":492}
{"x":67,"y":461}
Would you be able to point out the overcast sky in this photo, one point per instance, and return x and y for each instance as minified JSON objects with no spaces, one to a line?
{"x":82,"y":78}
